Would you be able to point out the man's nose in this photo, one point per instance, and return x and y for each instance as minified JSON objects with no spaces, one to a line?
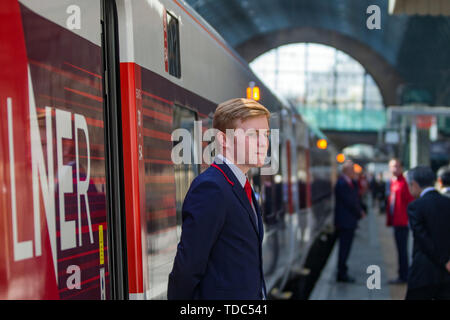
{"x":263,"y":141}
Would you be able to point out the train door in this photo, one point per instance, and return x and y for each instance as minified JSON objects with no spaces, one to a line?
{"x":289,"y":170}
{"x":304,"y":192}
{"x":54,"y":232}
{"x":153,"y":103}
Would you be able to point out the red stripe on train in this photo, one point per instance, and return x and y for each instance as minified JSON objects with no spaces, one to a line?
{"x":84,"y":70}
{"x":90,"y":121}
{"x":157,"y":115}
{"x":33,"y":277}
{"x":131,"y":179}
{"x":85,"y":81}
{"x":66,"y":101}
{"x":85,"y":94}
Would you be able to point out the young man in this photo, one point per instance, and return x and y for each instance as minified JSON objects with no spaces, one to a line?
{"x":396,"y":215}
{"x":219,"y":255}
{"x":429,"y":218}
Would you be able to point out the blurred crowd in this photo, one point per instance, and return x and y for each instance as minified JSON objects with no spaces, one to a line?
{"x":416,"y":201}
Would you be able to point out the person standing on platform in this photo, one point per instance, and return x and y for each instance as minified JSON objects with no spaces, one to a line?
{"x":219,"y":255}
{"x":396,"y":216}
{"x":429,"y":218}
{"x":346,"y":215}
{"x":444,"y":180}
{"x":381,"y":193}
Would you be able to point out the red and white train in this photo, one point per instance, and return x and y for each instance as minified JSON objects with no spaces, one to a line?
{"x":90,"y":92}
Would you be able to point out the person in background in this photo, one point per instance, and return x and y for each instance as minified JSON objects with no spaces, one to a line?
{"x":387,"y":192}
{"x":373,"y":185}
{"x":396,"y":216}
{"x":363,"y":186}
{"x":381,"y":192}
{"x":444,"y":180}
{"x":429,"y":218}
{"x":347,"y":213}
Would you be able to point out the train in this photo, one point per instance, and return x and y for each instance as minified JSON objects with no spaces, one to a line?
{"x":91,"y":92}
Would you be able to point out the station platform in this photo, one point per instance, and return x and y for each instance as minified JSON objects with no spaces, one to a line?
{"x":373,"y":245}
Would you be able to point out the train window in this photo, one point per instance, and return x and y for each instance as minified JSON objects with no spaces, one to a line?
{"x":185,"y":172}
{"x":173,"y":45}
{"x":208,"y":157}
{"x":279,"y":192}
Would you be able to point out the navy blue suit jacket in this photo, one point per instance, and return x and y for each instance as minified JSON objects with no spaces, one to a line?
{"x":219,"y":255}
{"x":429,"y":218}
{"x":347,"y":210}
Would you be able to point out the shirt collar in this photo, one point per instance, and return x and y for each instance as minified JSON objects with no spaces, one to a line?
{"x":348,"y":179}
{"x":242,"y":178}
{"x":397,"y":178}
{"x":427,"y":189}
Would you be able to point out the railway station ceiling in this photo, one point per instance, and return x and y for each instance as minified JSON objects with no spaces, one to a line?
{"x":408,"y":57}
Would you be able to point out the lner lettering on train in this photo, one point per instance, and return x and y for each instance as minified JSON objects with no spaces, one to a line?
{"x":46,"y":180}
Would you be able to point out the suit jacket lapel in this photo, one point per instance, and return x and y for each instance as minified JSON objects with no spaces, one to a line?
{"x":240,"y":194}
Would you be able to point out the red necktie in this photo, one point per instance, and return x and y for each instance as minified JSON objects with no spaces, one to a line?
{"x":248,"y":191}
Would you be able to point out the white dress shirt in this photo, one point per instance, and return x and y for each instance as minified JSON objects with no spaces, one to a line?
{"x":237,"y":172}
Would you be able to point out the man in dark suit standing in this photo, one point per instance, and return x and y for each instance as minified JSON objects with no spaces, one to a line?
{"x":429,"y":218}
{"x":346,"y":215}
{"x":219,"y":255}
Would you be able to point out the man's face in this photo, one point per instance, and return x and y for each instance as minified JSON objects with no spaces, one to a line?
{"x":395,"y":168}
{"x":251,"y":141}
{"x":414,"y":189}
{"x":440,"y":184}
{"x":348,"y":169}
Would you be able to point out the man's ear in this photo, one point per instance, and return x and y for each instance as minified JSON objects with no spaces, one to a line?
{"x":221,"y":139}
{"x":417,"y":187}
